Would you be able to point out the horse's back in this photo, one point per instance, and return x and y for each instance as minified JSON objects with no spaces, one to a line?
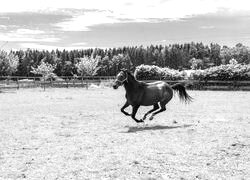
{"x":156,"y":83}
{"x":155,"y":92}
{"x":160,"y":85}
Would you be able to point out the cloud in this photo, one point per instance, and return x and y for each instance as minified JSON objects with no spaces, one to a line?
{"x":124,"y":5}
{"x":29,"y":31}
{"x":86,"y":20}
{"x":79,"y":44}
{"x":82,"y":15}
{"x":207,"y":27}
{"x":27,"y":35}
{"x":132,"y":9}
{"x":117,"y":23}
{"x":3,"y":27}
{"x":111,"y":11}
{"x":48,"y":47}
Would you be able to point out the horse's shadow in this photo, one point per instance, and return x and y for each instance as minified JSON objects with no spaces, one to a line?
{"x":157,"y":127}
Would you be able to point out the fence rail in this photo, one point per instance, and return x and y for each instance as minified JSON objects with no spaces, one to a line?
{"x":7,"y":82}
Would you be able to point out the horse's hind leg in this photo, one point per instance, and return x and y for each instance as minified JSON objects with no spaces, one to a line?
{"x":156,"y":106}
{"x":163,"y":108}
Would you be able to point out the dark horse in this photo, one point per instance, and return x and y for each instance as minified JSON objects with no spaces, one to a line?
{"x":139,"y":93}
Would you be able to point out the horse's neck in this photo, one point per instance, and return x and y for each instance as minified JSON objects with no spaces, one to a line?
{"x":131,"y":84}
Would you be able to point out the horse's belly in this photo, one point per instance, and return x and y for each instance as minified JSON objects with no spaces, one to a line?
{"x":149,"y":103}
{"x":151,"y":98}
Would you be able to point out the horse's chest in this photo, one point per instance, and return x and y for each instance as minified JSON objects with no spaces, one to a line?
{"x":133,"y":99}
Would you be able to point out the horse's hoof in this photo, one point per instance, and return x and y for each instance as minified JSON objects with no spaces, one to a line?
{"x":140,"y":121}
{"x":151,"y":118}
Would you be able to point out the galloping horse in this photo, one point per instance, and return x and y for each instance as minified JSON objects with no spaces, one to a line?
{"x":139,"y":93}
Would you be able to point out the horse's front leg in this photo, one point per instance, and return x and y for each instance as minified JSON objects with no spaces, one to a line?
{"x":123,"y":107}
{"x":134,"y":111}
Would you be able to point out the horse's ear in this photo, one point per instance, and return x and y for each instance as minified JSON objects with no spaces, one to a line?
{"x":124,"y":70}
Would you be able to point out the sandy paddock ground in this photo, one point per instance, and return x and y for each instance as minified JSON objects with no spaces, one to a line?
{"x":81,"y":134}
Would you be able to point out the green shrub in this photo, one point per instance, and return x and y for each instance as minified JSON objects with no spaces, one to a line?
{"x":147,"y":72}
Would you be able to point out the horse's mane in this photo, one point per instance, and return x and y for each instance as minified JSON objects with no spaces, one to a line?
{"x":130,"y":74}
{"x":140,"y":83}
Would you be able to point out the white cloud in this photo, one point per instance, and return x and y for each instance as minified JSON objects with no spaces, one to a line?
{"x":83,"y":22}
{"x":131,"y":8}
{"x":79,"y":44}
{"x":29,"y":32}
{"x":108,"y":12}
{"x":27,"y":35}
{"x":146,"y":10}
{"x":111,"y":11}
{"x":48,"y":47}
{"x":207,"y":27}
{"x":3,"y":27}
{"x":174,"y":9}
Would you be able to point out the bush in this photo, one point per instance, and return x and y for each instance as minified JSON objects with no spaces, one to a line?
{"x":147,"y":72}
{"x":223,"y":72}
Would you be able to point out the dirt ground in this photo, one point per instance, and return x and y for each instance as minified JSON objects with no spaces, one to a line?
{"x":81,"y":134}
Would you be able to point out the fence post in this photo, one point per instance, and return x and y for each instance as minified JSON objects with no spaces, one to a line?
{"x":8,"y":80}
{"x":34,"y":81}
{"x":199,"y":85}
{"x":17,"y":81}
{"x":44,"y":83}
{"x":235,"y":85}
{"x":87,"y":85}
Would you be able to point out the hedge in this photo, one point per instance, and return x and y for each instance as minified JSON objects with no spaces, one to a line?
{"x":223,"y":72}
{"x":147,"y":72}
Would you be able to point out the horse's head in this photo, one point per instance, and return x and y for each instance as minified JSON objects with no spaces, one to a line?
{"x":121,"y":78}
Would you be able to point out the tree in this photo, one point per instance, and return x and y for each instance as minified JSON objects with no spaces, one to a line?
{"x":68,"y":69}
{"x":175,"y":56}
{"x":226,"y":55}
{"x":120,"y":61}
{"x":88,"y":66}
{"x":241,"y":53}
{"x":196,"y":63}
{"x":215,"y":54}
{"x":44,"y":69}
{"x":104,"y":66}
{"x":8,"y":63}
{"x":233,"y":62}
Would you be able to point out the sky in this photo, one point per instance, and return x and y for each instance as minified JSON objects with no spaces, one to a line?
{"x":81,"y":24}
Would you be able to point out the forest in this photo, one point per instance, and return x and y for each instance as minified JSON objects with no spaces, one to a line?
{"x":175,"y":56}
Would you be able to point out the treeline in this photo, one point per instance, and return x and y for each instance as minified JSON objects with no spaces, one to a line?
{"x":175,"y":56}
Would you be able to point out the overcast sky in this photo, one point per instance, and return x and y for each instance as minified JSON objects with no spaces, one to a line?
{"x":77,"y":24}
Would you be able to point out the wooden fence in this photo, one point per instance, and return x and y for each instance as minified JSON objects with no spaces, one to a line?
{"x":64,"y":81}
{"x":220,"y":85}
{"x":213,"y":85}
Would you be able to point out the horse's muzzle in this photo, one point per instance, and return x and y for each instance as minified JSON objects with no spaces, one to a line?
{"x":115,"y":86}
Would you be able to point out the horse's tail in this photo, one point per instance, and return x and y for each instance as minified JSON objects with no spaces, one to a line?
{"x":182,"y":92}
